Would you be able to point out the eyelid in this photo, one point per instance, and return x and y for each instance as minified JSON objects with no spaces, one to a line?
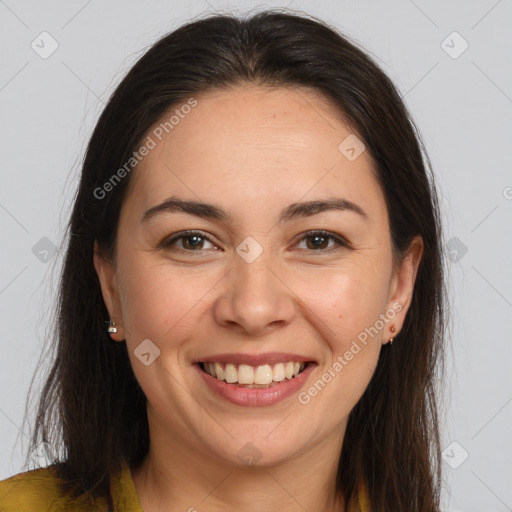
{"x":340,"y":241}
{"x":168,"y":242}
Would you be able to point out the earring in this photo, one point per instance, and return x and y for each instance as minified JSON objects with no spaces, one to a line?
{"x":111,"y":327}
{"x":392,"y":329}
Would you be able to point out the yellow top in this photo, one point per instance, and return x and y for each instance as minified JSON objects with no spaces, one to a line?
{"x":38,"y":491}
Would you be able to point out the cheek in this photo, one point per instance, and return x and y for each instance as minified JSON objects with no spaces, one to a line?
{"x":161,"y":302}
{"x":347,"y":300}
{"x":346,"y":315}
{"x":345,"y":306}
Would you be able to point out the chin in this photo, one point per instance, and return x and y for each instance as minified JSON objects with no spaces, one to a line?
{"x":258,"y":450}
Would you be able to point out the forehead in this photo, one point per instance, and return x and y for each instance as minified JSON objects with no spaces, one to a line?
{"x":255,"y":144}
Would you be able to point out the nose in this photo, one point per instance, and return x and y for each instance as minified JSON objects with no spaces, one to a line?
{"x":255,"y":298}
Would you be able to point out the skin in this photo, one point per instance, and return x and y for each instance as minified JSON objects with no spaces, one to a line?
{"x":252,"y":151}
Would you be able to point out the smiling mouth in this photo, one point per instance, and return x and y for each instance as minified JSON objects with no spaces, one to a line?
{"x":247,"y":376}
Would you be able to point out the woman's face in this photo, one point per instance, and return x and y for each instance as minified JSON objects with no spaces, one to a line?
{"x":255,"y":288}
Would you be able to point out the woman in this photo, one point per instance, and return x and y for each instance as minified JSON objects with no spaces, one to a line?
{"x":256,"y":224}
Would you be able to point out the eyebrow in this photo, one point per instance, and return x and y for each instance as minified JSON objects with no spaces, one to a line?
{"x":291,"y":212}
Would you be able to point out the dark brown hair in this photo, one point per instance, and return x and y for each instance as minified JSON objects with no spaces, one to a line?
{"x":92,"y":409}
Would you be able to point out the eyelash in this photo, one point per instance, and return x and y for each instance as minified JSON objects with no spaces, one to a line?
{"x":185,"y":234}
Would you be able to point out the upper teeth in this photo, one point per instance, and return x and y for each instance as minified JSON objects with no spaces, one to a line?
{"x":245,"y":374}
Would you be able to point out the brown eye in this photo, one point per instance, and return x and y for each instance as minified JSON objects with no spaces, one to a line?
{"x":190,"y":241}
{"x":319,"y":241}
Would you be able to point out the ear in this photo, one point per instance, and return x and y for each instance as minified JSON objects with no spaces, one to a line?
{"x":402,"y":287}
{"x":108,"y":280}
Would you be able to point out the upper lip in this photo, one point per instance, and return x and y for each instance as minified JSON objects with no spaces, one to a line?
{"x":270,"y":358}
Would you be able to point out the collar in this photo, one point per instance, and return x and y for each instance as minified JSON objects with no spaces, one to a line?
{"x":124,"y":494}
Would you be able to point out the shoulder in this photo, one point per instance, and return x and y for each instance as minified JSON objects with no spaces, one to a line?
{"x":33,"y":490}
{"x":38,"y":490}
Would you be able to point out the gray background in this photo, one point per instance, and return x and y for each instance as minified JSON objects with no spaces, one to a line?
{"x":461,"y":101}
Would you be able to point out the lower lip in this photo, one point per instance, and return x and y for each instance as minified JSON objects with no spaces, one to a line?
{"x":256,"y":397}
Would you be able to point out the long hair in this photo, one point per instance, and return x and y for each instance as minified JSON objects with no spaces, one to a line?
{"x":91,"y":407}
